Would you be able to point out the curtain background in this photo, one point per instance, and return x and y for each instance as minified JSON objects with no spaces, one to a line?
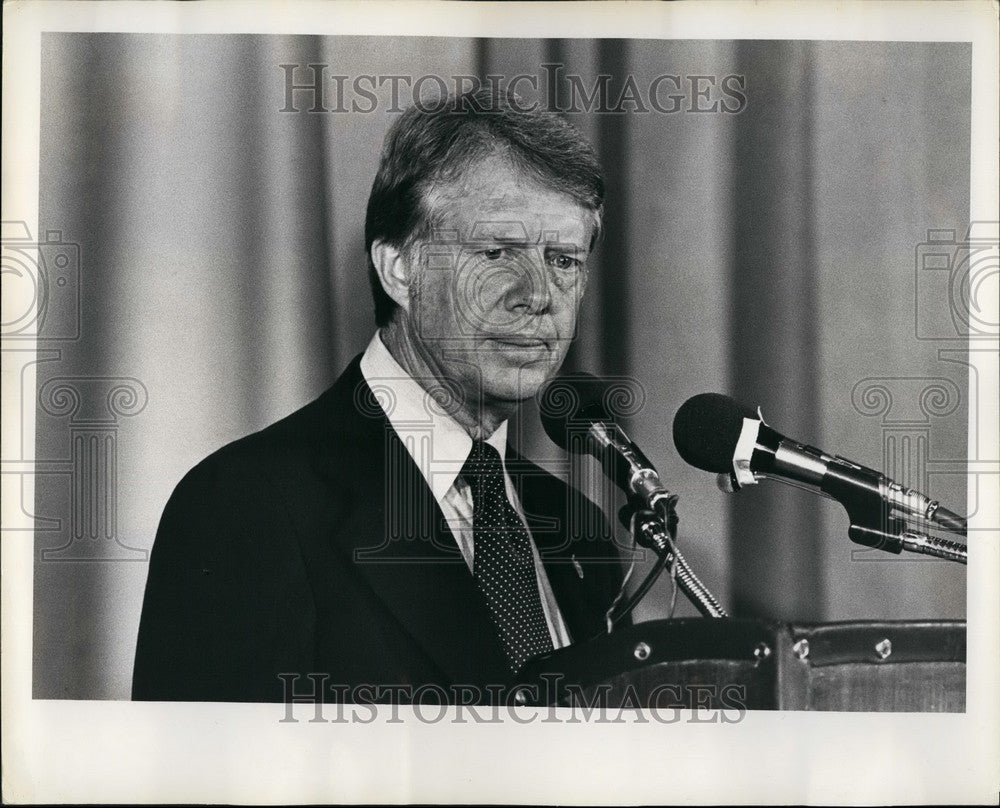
{"x":770,"y":254}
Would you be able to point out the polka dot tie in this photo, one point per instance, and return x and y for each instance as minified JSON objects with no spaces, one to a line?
{"x":503,"y":565}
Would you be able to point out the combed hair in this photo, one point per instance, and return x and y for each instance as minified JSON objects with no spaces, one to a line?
{"x":435,"y":144}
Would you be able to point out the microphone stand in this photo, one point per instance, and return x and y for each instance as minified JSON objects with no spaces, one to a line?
{"x":658,"y":532}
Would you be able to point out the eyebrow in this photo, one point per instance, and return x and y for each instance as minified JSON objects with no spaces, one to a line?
{"x":519,"y":241}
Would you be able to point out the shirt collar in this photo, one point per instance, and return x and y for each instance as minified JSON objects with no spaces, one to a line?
{"x":438,"y":444}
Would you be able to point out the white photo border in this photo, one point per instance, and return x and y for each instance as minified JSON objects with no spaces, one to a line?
{"x":89,"y":751}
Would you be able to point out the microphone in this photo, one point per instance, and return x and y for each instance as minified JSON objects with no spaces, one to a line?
{"x":714,"y":433}
{"x":578,"y":405}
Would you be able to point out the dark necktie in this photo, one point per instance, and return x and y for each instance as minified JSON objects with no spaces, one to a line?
{"x":503,"y":565}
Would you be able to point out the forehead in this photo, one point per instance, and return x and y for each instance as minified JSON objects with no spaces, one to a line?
{"x":493,"y":199}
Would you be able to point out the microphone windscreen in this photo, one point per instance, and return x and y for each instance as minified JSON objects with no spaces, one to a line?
{"x":707,"y":428}
{"x":572,"y":402}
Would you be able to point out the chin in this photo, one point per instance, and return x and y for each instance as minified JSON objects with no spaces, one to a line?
{"x":519,"y":384}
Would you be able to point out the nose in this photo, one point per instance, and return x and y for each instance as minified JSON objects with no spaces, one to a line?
{"x":529,"y":292}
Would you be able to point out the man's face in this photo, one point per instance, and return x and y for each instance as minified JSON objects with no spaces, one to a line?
{"x":500,"y":279}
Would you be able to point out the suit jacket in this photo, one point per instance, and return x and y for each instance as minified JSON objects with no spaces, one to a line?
{"x":316,"y":547}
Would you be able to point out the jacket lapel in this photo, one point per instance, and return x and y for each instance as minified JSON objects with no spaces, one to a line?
{"x":396,"y":538}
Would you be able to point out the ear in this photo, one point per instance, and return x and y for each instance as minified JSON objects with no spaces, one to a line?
{"x":393,"y":271}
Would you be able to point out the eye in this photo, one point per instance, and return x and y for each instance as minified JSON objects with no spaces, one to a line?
{"x":494,"y":254}
{"x":562,"y":261}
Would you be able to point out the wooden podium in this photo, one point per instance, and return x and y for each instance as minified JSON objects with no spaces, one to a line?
{"x":884,"y":666}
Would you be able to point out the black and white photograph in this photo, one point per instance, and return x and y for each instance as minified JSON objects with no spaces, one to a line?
{"x":402,"y":395}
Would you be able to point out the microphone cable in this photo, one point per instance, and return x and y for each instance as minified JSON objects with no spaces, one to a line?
{"x":667,"y":554}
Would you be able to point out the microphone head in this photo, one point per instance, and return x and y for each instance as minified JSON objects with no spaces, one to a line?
{"x":569,"y":405}
{"x":574,"y":401}
{"x":707,"y":428}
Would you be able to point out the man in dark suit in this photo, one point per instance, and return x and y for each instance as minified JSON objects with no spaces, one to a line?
{"x":384,"y":542}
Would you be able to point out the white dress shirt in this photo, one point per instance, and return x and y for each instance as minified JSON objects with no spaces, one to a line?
{"x":440,"y":446}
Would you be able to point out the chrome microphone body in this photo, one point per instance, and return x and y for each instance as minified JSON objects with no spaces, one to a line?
{"x":625,"y":463}
{"x":778,"y":457}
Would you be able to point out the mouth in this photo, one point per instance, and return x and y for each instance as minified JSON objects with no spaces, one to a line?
{"x":533,"y":343}
{"x":524,"y":351}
